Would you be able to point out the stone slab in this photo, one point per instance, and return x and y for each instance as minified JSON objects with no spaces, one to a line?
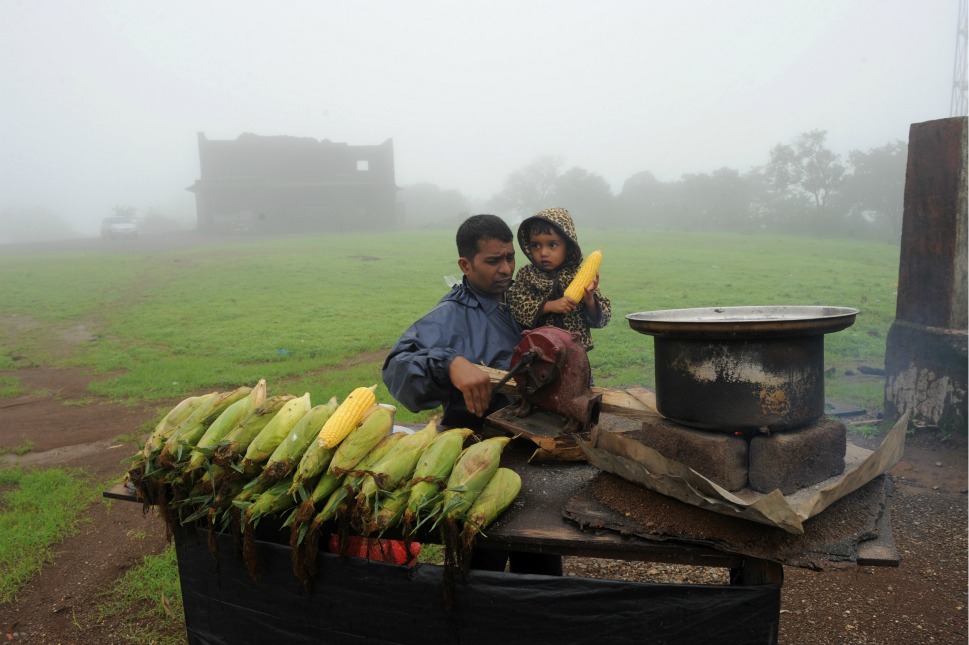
{"x":794,"y":459}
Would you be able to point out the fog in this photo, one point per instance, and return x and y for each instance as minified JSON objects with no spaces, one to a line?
{"x":100,"y":101}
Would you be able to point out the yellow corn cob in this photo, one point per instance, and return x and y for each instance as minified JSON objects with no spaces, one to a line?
{"x":585,"y":276}
{"x":347,"y":416}
{"x":497,"y":495}
{"x":471,"y":473}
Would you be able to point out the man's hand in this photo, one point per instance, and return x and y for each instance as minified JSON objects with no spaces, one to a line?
{"x":475,"y":384}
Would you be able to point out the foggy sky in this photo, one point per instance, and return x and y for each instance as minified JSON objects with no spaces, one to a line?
{"x":100,"y":101}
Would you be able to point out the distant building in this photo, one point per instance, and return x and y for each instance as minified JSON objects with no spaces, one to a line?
{"x":294,"y":184}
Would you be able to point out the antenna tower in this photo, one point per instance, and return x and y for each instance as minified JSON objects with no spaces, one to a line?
{"x":960,"y":105}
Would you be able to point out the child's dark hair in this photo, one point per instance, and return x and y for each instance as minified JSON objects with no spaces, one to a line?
{"x":481,"y":227}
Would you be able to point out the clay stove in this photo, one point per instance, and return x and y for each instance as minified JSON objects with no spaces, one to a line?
{"x":741,"y":390}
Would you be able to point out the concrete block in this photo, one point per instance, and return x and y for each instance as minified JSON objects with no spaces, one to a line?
{"x":795,"y":459}
{"x":719,"y":456}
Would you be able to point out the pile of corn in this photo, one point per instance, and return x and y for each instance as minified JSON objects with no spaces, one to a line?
{"x":227,"y":460}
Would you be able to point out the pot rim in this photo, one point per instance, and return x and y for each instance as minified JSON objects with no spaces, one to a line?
{"x":768,"y":321}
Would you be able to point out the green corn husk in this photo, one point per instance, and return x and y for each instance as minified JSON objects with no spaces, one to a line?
{"x":275,"y":499}
{"x":288,"y":454}
{"x":376,"y":424}
{"x":472,"y":471}
{"x":272,"y":500}
{"x":393,"y":470}
{"x":224,"y":424}
{"x":171,"y":420}
{"x":397,"y":465}
{"x":189,"y":424}
{"x":432,"y":473}
{"x":234,"y":445}
{"x":349,"y":484}
{"x":498,"y":494}
{"x":276,"y":431}
{"x":187,"y":434}
{"x":390,"y":511}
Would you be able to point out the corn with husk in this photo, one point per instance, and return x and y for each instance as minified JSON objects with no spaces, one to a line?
{"x":171,"y":420}
{"x":188,"y":432}
{"x":432,"y":472}
{"x":224,"y":424}
{"x":288,"y":454}
{"x":498,"y":494}
{"x":234,"y":445}
{"x":472,"y":471}
{"x":276,"y":431}
{"x":373,"y":427}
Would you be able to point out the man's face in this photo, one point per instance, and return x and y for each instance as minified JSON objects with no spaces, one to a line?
{"x":491,"y":269}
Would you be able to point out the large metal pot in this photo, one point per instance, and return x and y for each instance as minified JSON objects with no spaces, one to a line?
{"x":741,"y":369}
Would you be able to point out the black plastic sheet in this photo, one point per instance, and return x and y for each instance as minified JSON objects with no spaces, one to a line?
{"x":356,"y":601}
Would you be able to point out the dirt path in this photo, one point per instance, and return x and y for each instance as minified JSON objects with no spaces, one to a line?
{"x":922,"y":601}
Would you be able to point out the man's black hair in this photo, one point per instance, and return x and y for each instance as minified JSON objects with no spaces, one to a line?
{"x":481,"y":227}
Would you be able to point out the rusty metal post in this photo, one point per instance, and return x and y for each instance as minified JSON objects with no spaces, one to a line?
{"x":926,"y":357}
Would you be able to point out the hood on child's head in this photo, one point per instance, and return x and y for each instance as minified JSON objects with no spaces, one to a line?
{"x":559,"y":218}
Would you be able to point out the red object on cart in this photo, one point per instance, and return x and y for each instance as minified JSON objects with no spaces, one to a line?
{"x":391,"y":551}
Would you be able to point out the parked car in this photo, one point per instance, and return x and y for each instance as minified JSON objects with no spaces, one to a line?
{"x":118,"y":228}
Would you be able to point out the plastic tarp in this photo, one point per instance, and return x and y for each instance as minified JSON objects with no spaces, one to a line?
{"x":356,"y":601}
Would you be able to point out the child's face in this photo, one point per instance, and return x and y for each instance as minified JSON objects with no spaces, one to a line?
{"x":547,"y":250}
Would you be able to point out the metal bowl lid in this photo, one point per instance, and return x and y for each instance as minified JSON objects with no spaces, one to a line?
{"x":732,"y":322}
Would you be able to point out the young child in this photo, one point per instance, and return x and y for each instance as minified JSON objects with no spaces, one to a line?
{"x":537,"y":296}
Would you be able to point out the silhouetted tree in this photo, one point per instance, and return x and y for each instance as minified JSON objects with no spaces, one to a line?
{"x":640,"y":203}
{"x":874,"y":192}
{"x":587,"y":196}
{"x":806,"y":168}
{"x":528,"y":190}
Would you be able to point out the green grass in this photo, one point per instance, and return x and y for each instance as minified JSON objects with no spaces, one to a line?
{"x":22,"y":449}
{"x":153,"y":587}
{"x":40,"y":508}
{"x":10,"y":387}
{"x":317,"y":313}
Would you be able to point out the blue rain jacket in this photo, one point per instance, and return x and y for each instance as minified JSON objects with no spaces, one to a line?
{"x":462,"y":324}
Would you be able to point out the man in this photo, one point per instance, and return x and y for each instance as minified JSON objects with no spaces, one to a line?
{"x":435,"y":361}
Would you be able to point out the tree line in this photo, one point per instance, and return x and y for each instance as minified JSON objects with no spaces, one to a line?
{"x":803,"y":188}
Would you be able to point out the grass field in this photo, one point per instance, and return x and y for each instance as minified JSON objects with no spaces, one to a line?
{"x":318,"y":313}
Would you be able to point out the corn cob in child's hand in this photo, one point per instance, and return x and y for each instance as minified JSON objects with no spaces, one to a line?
{"x":587,"y":273}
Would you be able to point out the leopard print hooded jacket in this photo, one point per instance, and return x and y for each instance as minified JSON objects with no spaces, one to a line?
{"x":533,"y":286}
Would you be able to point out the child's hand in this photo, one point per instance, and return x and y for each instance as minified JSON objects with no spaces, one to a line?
{"x":560,"y":306}
{"x":588,"y":298}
